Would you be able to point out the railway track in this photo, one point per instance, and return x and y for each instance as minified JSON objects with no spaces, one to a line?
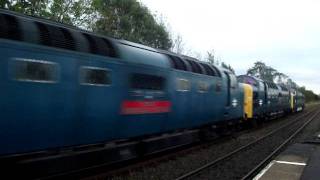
{"x":105,"y":171}
{"x":134,"y":164}
{"x":261,"y":165}
{"x":293,"y":128}
{"x":125,"y":172}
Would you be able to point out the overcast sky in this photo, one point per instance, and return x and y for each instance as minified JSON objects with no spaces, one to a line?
{"x":284,"y":34}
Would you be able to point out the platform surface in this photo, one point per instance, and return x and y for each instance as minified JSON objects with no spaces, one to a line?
{"x":298,"y":161}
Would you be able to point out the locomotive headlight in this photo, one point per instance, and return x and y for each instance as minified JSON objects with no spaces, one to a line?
{"x":234,"y":102}
{"x":260,"y":102}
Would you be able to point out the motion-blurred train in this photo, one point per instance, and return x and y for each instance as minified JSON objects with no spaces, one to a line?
{"x":63,"y":87}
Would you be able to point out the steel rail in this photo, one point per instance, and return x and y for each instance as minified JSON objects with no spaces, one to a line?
{"x":261,"y":165}
{"x":212,"y":163}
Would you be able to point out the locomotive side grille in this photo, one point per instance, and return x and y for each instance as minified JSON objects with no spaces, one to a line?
{"x":69,"y":40}
{"x":54,"y":36}
{"x":100,"y":46}
{"x":177,"y":63}
{"x":44,"y":34}
{"x":111,"y":51}
{"x":195,"y":67}
{"x":210,"y":71}
{"x":192,"y":66}
{"x":92,"y":44}
{"x":9,"y":27}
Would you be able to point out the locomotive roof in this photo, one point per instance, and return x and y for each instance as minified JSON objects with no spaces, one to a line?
{"x":78,"y":40}
{"x":253,"y":77}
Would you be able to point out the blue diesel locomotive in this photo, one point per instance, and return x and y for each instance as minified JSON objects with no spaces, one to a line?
{"x":65,"y":87}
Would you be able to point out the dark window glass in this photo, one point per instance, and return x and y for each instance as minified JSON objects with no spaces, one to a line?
{"x":35,"y":70}
{"x":95,"y":76}
{"x":145,"y":81}
{"x":249,"y":80}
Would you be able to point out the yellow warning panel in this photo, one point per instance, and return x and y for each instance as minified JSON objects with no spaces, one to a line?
{"x":292,"y":102}
{"x":248,"y":101}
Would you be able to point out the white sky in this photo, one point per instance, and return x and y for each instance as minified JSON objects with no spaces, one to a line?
{"x":284,"y":34}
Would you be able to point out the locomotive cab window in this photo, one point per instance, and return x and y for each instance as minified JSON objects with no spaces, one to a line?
{"x":95,"y":76}
{"x":148,"y":82}
{"x":35,"y":71}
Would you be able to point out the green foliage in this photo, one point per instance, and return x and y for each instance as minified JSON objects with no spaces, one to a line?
{"x":124,"y":19}
{"x":309,"y":95}
{"x":211,"y":57}
{"x":262,"y":71}
{"x":73,"y":12}
{"x":268,"y":73}
{"x":130,"y":20}
{"x":30,"y":7}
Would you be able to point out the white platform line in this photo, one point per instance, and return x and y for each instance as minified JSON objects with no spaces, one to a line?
{"x":291,"y":163}
{"x":258,"y":176}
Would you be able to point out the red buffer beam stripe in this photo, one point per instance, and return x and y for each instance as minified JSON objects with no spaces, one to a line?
{"x":145,"y":107}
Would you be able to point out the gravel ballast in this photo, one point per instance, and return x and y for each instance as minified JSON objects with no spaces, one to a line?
{"x":179,"y":165}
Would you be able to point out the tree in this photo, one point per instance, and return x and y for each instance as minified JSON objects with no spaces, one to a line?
{"x":29,"y":7}
{"x":130,"y":20}
{"x":211,"y":57}
{"x":124,"y":19}
{"x":178,"y":44}
{"x":73,"y":12}
{"x":261,"y":70}
{"x":309,"y":95}
{"x":291,"y":84}
{"x":231,"y":69}
{"x":280,"y":77}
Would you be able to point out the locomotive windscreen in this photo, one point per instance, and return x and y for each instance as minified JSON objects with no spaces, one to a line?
{"x":248,"y":80}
